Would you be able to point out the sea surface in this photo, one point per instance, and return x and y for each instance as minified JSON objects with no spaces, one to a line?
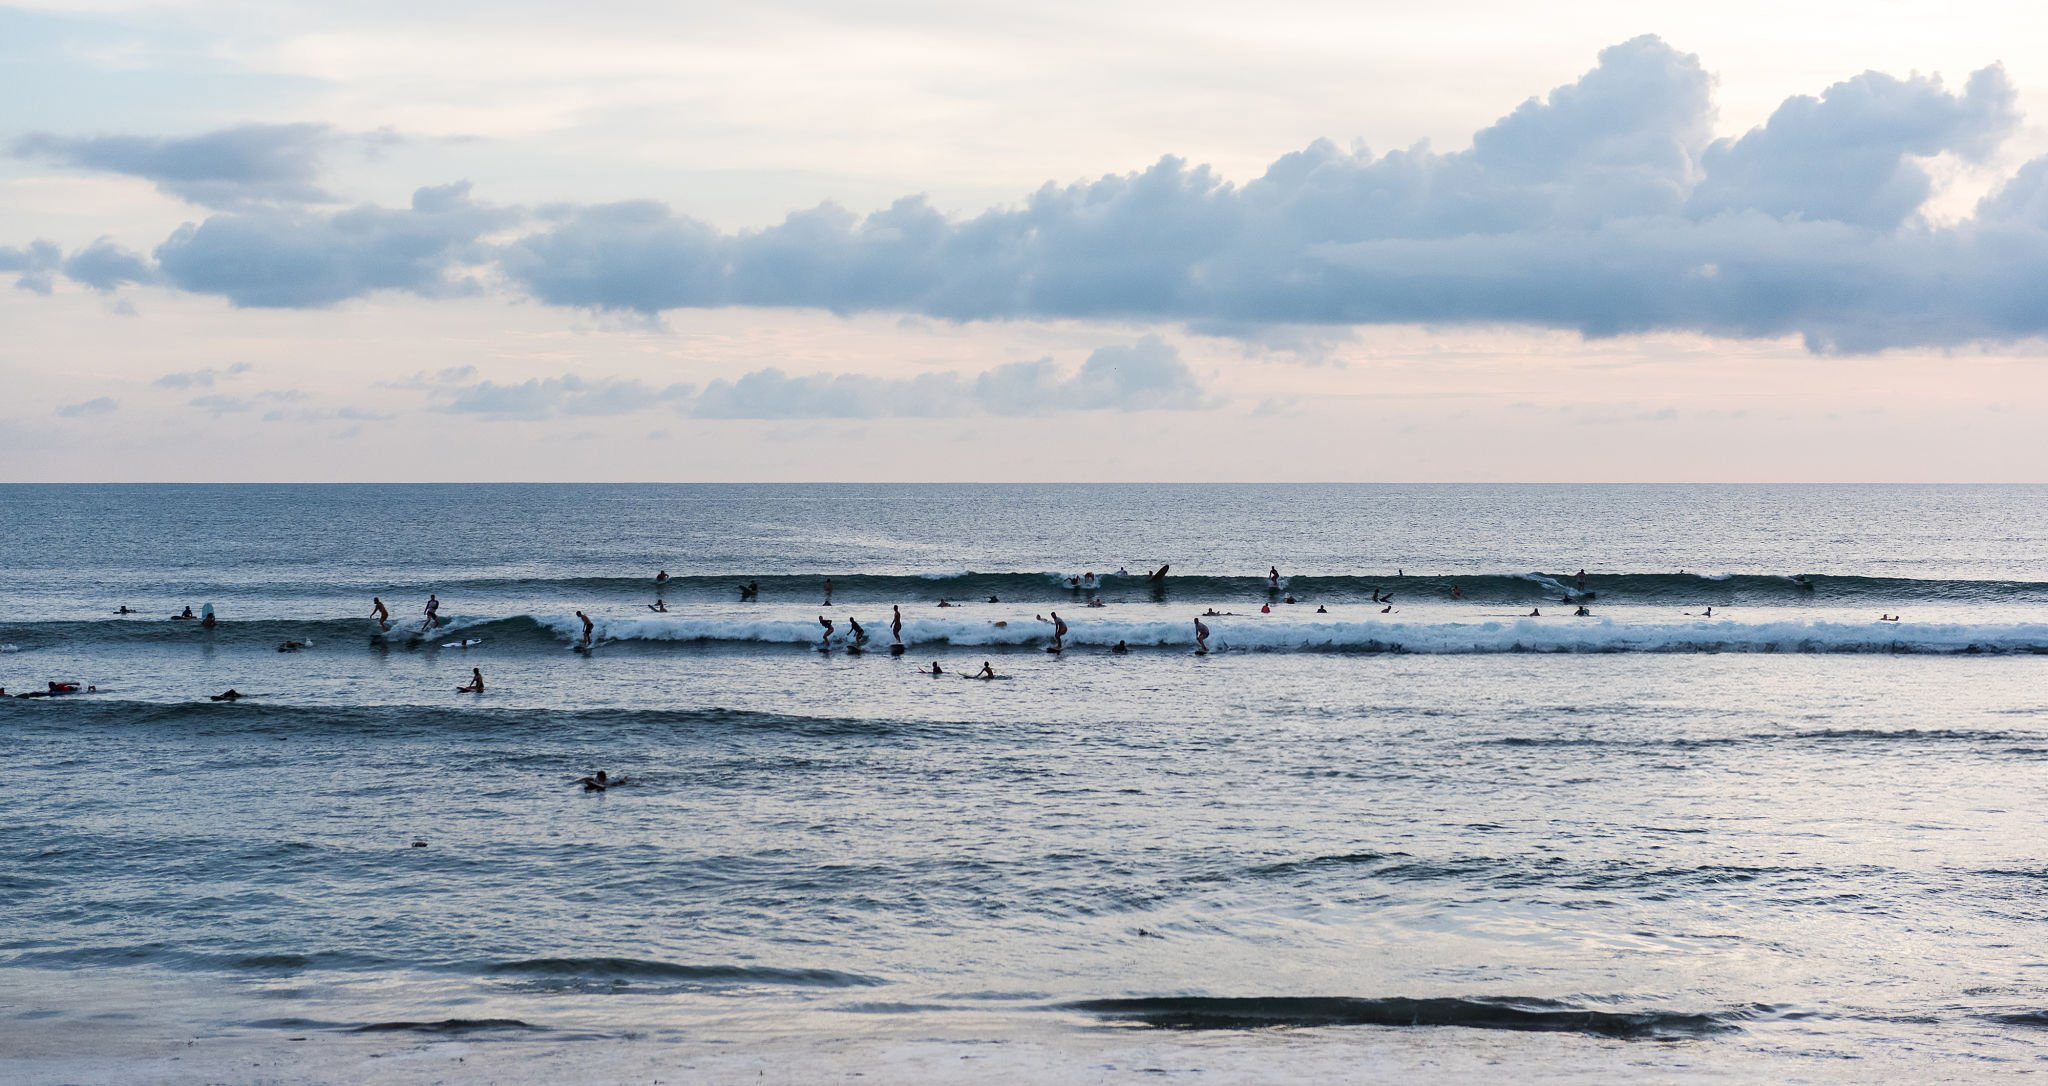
{"x":1463,"y":833}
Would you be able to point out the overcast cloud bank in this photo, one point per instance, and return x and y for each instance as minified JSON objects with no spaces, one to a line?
{"x":1607,"y":208}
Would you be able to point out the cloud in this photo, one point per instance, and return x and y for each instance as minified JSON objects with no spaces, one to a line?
{"x":98,"y":405}
{"x":222,"y":405}
{"x":230,"y":168}
{"x":544,"y":398}
{"x":105,"y":266}
{"x":32,"y":264}
{"x":288,"y":258}
{"x":203,"y":378}
{"x":1606,"y":207}
{"x":1147,"y":375}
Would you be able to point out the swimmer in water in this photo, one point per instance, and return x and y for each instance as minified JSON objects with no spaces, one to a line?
{"x":896,"y":623}
{"x":1096,"y":601}
{"x":123,"y":610}
{"x":1059,"y":632}
{"x":986,"y":671}
{"x":1321,"y":610}
{"x":381,"y":613}
{"x":943,"y":603}
{"x":1265,"y":608}
{"x":751,"y":590}
{"x":1201,"y":638}
{"x":1120,"y":648}
{"x":825,"y":642}
{"x":1122,"y":572}
{"x":206,"y":620}
{"x":935,"y":669}
{"x":1457,"y":592}
{"x":659,"y":604}
{"x":587,"y":627}
{"x":476,"y":682}
{"x":598,"y":782}
{"x":1581,"y":612}
{"x":661,"y":578}
{"x":992,"y":599}
{"x":1290,"y":599}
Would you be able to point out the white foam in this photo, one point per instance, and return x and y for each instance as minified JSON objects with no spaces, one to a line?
{"x":1269,"y":634}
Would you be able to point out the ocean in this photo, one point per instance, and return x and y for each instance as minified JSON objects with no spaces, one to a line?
{"x":1423,"y":823}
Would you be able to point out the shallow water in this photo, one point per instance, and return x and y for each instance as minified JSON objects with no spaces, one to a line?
{"x":1780,"y":842}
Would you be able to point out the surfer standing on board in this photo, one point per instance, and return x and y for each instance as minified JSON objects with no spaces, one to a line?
{"x":587,"y":626}
{"x":380,"y":612}
{"x":825,"y":642}
{"x":896,"y":622}
{"x":1273,"y":579}
{"x":1059,"y":632}
{"x":1201,"y":638}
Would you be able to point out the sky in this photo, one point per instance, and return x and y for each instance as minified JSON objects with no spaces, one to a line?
{"x":906,"y":240}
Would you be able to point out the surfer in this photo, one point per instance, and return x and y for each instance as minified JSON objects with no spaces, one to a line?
{"x":1321,"y":610}
{"x":293,"y":646}
{"x":587,"y":627}
{"x":187,"y":613}
{"x":1088,"y":579}
{"x":860,"y":636}
{"x":825,"y":642}
{"x":124,"y":610}
{"x":992,"y":599}
{"x":1387,"y":610}
{"x":476,"y":682}
{"x":1059,"y":632}
{"x":943,"y":603}
{"x":1096,"y":601}
{"x":206,"y":616}
{"x":1122,"y":571}
{"x":598,"y":782}
{"x":750,"y":591}
{"x":1535,"y":612}
{"x":896,"y":623}
{"x":1273,"y":579}
{"x":1265,"y":608}
{"x":230,"y":694}
{"x":986,"y":671}
{"x":1290,"y":599}
{"x":1074,"y":583}
{"x":1457,"y":591}
{"x":935,"y":669}
{"x":1582,"y":579}
{"x":1804,"y":584}
{"x":828,"y":591}
{"x":659,"y":604}
{"x":1581,"y":612}
{"x":1201,"y":638}
{"x":1120,"y":648}
{"x":1158,"y":575}
{"x":381,"y":613}
{"x":433,"y":609}
{"x":661,"y":577}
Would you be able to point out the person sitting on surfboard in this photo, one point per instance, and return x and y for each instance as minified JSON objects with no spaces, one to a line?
{"x":1201,"y":638}
{"x":476,"y":682}
{"x":986,"y":671}
{"x":587,"y":626}
{"x":188,"y":613}
{"x":935,"y":669}
{"x":124,"y":610}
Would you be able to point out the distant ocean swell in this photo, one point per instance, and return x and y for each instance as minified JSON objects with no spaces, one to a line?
{"x":1051,"y":587}
{"x":1292,"y":632}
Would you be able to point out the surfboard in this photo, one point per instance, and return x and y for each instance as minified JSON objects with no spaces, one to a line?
{"x":1054,"y":649}
{"x":463,"y":644}
{"x":896,"y":650}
